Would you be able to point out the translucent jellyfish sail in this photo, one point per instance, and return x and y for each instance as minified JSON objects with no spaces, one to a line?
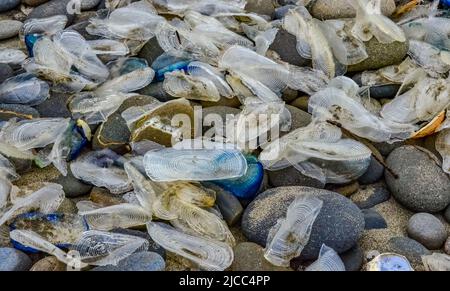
{"x":266,"y":78}
{"x":46,"y":200}
{"x":207,"y":254}
{"x":33,"y":240}
{"x":81,"y":54}
{"x":289,"y":236}
{"x":207,"y":7}
{"x":36,"y":133}
{"x":185,"y":206}
{"x":51,"y":63}
{"x":258,"y":118}
{"x":48,"y":25}
{"x":311,"y":40}
{"x":328,"y":261}
{"x":433,"y":30}
{"x":11,"y":56}
{"x":94,"y":108}
{"x":126,"y":83}
{"x":370,"y":22}
{"x":7,"y":173}
{"x":181,"y":42}
{"x":429,"y":57}
{"x":342,"y":107}
{"x":425,"y":100}
{"x":143,"y":188}
{"x":101,"y":248}
{"x":116,"y":216}
{"x":179,"y":84}
{"x":199,"y":69}
{"x":109,"y":47}
{"x":101,"y":169}
{"x":167,"y":165}
{"x":318,"y":151}
{"x":24,"y":89}
{"x":136,"y":21}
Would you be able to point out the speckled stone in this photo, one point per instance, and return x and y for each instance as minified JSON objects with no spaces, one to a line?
{"x":8,"y":111}
{"x":422,"y":185}
{"x":332,"y":9}
{"x":6,"y":5}
{"x":381,"y":55}
{"x":353,"y":259}
{"x":51,"y":8}
{"x":9,"y":28}
{"x":428,"y":230}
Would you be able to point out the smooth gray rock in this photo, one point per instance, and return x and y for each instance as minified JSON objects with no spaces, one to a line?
{"x":338,"y":225}
{"x":9,"y":28}
{"x":55,"y":106}
{"x":6,"y":5}
{"x":14,"y":260}
{"x":228,"y":204}
{"x":409,"y":248}
{"x":422,"y":185}
{"x":373,"y":220}
{"x":292,"y":177}
{"x":259,"y":7}
{"x":373,"y":173}
{"x":52,"y":8}
{"x":332,"y":9}
{"x":428,"y":230}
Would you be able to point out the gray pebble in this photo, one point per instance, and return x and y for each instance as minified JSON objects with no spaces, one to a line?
{"x":9,"y":28}
{"x":422,"y":185}
{"x":428,"y":230}
{"x":373,"y":220}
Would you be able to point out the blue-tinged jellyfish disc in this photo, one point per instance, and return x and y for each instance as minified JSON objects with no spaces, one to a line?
{"x":30,"y":41}
{"x":245,"y":187}
{"x":60,"y":229}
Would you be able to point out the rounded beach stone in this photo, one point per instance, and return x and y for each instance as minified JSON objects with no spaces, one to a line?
{"x":427,"y":229}
{"x":373,"y":173}
{"x":447,"y":214}
{"x":292,"y":177}
{"x":265,"y":7}
{"x":19,"y":111}
{"x":9,"y":28}
{"x":14,"y":260}
{"x":332,"y":9}
{"x":373,"y":219}
{"x":422,"y":185}
{"x":52,"y":8}
{"x":339,"y":224}
{"x":381,"y":55}
{"x":6,"y":5}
